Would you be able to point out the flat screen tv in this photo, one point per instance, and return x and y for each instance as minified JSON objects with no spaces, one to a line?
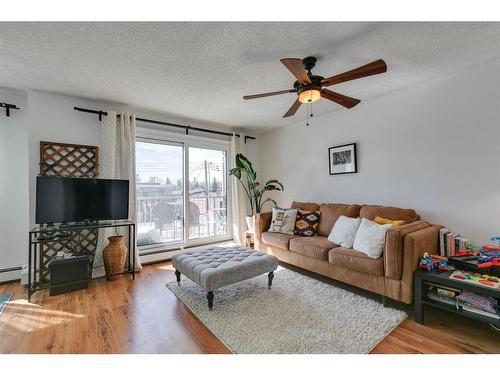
{"x":67,"y":199}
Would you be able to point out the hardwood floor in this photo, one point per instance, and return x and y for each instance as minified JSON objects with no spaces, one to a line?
{"x":145,"y":317}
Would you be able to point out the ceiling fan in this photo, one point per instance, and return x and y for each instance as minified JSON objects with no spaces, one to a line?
{"x":310,"y":87}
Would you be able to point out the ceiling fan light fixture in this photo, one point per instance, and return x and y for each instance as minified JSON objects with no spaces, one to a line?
{"x":309,"y":96}
{"x":310,"y":88}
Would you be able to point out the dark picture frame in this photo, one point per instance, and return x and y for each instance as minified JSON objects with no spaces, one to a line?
{"x":342,"y":159}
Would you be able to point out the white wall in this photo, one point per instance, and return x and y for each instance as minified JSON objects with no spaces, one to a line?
{"x":13,"y":183}
{"x":434,"y":147}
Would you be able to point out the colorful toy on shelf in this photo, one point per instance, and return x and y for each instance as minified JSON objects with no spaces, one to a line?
{"x":426,"y":263}
{"x":492,"y":248}
{"x":443,"y":264}
{"x":495,"y":241}
{"x":466,"y":253}
{"x":485,"y":258}
{"x":433,"y":263}
{"x":490,"y":254}
{"x":493,"y":262}
{"x":476,"y":278}
{"x":490,"y":251}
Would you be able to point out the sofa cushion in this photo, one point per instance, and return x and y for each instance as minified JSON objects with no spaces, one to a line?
{"x":393,"y":213}
{"x":331,"y":212}
{"x":306,"y":223}
{"x":314,"y":247}
{"x":279,"y":240}
{"x":356,"y":261}
{"x":307,"y":206}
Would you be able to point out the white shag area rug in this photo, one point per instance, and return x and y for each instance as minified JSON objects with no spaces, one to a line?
{"x":298,"y":315}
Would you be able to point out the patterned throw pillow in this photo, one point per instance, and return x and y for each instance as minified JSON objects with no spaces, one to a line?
{"x":283,"y":220}
{"x":306,"y":223}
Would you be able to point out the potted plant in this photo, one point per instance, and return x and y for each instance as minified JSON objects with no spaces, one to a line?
{"x":246,"y":175}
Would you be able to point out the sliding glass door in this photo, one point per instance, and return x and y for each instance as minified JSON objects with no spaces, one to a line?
{"x":160,"y":193}
{"x":163,"y":166}
{"x":207,"y":193}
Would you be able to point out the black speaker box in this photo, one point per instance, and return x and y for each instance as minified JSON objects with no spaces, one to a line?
{"x":68,"y":274}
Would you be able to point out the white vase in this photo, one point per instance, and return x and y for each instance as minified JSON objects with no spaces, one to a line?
{"x":250,"y":222}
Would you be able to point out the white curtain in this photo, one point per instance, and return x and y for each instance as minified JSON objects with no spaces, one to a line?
{"x":238,"y":196}
{"x":117,"y":160}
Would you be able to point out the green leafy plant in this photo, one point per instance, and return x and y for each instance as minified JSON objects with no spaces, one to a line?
{"x":247,"y":176}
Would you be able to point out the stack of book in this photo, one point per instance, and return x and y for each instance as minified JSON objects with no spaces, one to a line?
{"x":442,"y":294}
{"x":451,"y":243}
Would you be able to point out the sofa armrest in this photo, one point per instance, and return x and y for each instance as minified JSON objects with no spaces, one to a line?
{"x":262,"y":222}
{"x":418,"y":243}
{"x":393,"y":250}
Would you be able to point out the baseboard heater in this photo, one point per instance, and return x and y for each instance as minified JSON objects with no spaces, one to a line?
{"x":10,"y":274}
{"x":166,"y":254}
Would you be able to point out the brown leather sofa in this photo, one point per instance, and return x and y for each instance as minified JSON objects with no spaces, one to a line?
{"x":391,"y":275}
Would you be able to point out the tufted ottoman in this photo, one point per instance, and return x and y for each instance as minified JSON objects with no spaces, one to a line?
{"x":220,"y":266}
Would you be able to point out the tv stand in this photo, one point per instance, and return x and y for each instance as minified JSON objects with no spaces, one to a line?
{"x":79,"y":224}
{"x":61,"y":232}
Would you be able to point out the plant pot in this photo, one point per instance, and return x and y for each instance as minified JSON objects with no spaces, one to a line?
{"x":114,"y":257}
{"x":250,"y":223}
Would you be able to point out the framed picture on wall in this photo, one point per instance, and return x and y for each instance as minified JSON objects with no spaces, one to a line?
{"x":342,"y":159}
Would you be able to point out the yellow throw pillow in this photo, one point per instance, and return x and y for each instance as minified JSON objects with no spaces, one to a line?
{"x":383,"y":220}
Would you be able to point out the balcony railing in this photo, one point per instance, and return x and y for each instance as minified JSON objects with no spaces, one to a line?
{"x":160,"y":219}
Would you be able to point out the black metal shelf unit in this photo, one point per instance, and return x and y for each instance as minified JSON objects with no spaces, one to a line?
{"x":421,"y":278}
{"x":43,"y":234}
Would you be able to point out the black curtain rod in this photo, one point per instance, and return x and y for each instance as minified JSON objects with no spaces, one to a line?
{"x":8,"y":107}
{"x":187,"y":128}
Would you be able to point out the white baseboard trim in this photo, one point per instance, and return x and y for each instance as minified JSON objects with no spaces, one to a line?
{"x":10,"y":274}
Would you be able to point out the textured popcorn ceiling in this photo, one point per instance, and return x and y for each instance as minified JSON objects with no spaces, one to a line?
{"x":200,"y":71}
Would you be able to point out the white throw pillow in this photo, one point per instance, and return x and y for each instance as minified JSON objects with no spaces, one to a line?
{"x":370,"y":238}
{"x":283,"y":220}
{"x":344,"y":231}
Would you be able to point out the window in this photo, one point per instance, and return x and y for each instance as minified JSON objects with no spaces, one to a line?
{"x":164,"y":221}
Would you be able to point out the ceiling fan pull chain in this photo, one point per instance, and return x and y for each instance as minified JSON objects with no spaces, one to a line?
{"x":307,"y":115}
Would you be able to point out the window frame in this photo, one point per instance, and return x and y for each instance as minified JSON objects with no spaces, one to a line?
{"x":154,"y":248}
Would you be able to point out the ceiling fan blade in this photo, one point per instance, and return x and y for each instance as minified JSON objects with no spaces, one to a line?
{"x":375,"y":67}
{"x":296,"y":67}
{"x":268,"y":94}
{"x":293,"y":108}
{"x":346,"y":101}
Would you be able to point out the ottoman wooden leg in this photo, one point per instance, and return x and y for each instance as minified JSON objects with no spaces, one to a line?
{"x":178,"y":276}
{"x":210,"y":297}
{"x":270,"y":277}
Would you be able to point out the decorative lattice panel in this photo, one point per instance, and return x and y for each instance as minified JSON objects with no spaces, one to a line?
{"x":68,"y":160}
